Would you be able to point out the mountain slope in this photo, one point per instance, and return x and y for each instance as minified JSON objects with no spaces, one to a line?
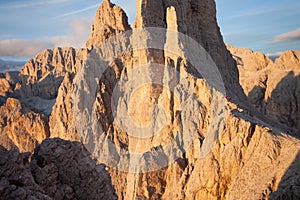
{"x":273,"y":87}
{"x":212,"y":145}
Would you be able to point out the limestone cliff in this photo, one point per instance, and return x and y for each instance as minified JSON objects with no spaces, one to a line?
{"x":20,"y":127}
{"x":235,"y":152}
{"x":57,"y":170}
{"x":197,"y":19}
{"x":49,"y":66}
{"x":243,"y":162}
{"x":110,"y":20}
{"x":29,"y":96}
{"x":273,"y":87}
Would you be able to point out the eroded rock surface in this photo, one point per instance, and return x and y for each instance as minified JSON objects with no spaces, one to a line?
{"x":28,"y":97}
{"x":110,"y":20}
{"x":243,"y":162}
{"x":273,"y":87}
{"x":20,"y":127}
{"x":43,"y":75}
{"x":58,"y":169}
{"x":235,"y":152}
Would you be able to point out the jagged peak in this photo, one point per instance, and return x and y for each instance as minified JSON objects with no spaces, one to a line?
{"x":238,"y":50}
{"x":110,"y":20}
{"x":291,"y":55}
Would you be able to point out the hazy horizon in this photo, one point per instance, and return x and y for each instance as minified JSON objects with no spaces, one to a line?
{"x":30,"y":26}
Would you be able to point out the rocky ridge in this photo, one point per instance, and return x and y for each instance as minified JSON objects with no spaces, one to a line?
{"x":245,"y":136}
{"x":28,"y":96}
{"x":20,"y":127}
{"x":251,"y":158}
{"x":55,"y":175}
{"x":273,"y":87}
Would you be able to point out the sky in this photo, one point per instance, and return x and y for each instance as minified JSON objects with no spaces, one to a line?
{"x":30,"y":26}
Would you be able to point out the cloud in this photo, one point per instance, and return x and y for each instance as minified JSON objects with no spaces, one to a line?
{"x":79,"y":11}
{"x":79,"y":32}
{"x":288,"y":37}
{"x":76,"y":37}
{"x":31,"y":4}
{"x":276,"y":54}
{"x":22,"y":48}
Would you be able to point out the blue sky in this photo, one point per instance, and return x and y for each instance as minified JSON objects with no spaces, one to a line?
{"x":29,"y":26}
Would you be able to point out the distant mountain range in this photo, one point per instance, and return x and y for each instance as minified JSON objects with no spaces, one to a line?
{"x":10,"y":65}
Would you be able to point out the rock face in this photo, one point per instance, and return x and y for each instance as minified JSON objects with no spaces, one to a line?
{"x":61,"y":119}
{"x":243,"y":162}
{"x":28,"y":96}
{"x":8,"y":83}
{"x":110,"y":20}
{"x":41,"y":76}
{"x":20,"y":127}
{"x":197,"y":19}
{"x":49,"y":66}
{"x":58,"y":170}
{"x":235,"y":152}
{"x":17,"y":181}
{"x":273,"y":87}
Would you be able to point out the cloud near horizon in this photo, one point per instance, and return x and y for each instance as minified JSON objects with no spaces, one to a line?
{"x":23,"y":48}
{"x":288,"y":37}
{"x":276,"y":54}
{"x":79,"y":31}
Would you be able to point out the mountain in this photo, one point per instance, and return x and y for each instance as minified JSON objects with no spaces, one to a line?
{"x":206,"y":138}
{"x":272,"y":87}
{"x":45,"y":176}
{"x":6,"y":66}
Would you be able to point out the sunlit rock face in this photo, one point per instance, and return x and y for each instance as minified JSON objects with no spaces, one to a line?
{"x":163,"y":129}
{"x":243,"y":142}
{"x":273,"y":87}
{"x":28,"y":97}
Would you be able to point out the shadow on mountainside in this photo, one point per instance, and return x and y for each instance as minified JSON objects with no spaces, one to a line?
{"x":45,"y":88}
{"x":289,"y":185}
{"x":284,"y":103}
{"x":281,"y":110}
{"x":38,"y":96}
{"x":256,"y":97}
{"x":58,"y":169}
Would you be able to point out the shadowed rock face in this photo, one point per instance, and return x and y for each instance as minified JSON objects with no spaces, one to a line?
{"x":236,"y":165}
{"x":250,"y":158}
{"x":29,"y":96}
{"x":57,"y":170}
{"x":43,"y":75}
{"x":197,"y":19}
{"x":273,"y":87}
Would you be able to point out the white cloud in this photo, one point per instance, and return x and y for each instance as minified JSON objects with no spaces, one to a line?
{"x":32,"y":4}
{"x":23,"y":48}
{"x":276,"y":54}
{"x":79,"y":32}
{"x":76,"y":37}
{"x":288,"y":37}
{"x":79,"y":11}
